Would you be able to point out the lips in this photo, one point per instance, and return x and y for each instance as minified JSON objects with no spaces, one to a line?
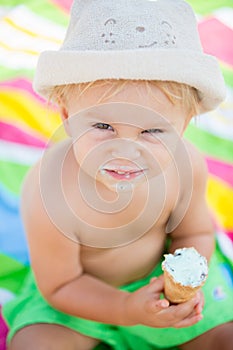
{"x":122,"y":172}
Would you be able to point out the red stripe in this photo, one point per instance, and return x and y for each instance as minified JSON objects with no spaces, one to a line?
{"x":220,"y":169}
{"x":13,"y":134}
{"x":22,"y":84}
{"x":217,"y":39}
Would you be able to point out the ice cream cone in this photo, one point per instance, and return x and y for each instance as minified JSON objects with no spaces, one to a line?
{"x":175,"y":292}
{"x":185,"y":273}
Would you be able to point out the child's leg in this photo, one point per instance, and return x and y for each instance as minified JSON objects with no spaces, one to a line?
{"x":50,"y":337}
{"x":219,"y":338}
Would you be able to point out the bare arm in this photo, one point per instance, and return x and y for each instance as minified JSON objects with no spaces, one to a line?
{"x":195,"y":226}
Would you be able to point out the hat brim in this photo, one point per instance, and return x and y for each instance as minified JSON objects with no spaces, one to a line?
{"x":184,"y":66}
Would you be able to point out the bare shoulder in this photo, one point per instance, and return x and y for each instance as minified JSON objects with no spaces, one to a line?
{"x":192,"y":186}
{"x":29,"y":190}
{"x":198,"y":163}
{"x":42,"y":196}
{"x":45,"y":168}
{"x":191,"y":168}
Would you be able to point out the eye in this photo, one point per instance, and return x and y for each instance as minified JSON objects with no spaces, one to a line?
{"x":103,"y":126}
{"x":152,"y":131}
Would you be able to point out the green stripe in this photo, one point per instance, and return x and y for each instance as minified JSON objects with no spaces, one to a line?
{"x":9,"y":73}
{"x":51,"y":11}
{"x":12,"y":273}
{"x":9,"y":3}
{"x":204,"y":7}
{"x":211,"y":145}
{"x":12,"y":174}
{"x":228,"y":74}
{"x":42,"y":8}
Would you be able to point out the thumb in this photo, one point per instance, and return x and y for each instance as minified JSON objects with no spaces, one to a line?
{"x":154,"y":305}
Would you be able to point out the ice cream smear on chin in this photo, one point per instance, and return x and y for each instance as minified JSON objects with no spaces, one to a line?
{"x":185,"y":272}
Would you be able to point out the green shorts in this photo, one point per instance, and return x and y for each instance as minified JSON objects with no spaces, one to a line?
{"x":30,"y":308}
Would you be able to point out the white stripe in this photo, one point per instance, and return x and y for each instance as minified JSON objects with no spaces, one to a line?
{"x":27,"y":19}
{"x":17,"y":153}
{"x":225,"y":15}
{"x":220,"y":121}
{"x":5,"y":296}
{"x":15,"y":38}
{"x":18,"y":50}
{"x":225,"y":244}
{"x":17,"y":60}
{"x":4,"y":10}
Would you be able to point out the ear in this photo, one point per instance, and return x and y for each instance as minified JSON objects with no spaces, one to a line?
{"x":186,"y":123}
{"x":65,"y":117}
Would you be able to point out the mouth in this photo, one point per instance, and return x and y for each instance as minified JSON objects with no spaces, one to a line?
{"x":123,"y":173}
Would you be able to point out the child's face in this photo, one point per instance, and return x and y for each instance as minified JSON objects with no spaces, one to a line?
{"x":127,"y":139}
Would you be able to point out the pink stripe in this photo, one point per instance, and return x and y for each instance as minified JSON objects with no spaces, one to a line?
{"x":230,"y":235}
{"x":22,"y":84}
{"x":3,"y":332}
{"x":220,"y":169}
{"x":65,"y":4}
{"x":218,"y":228}
{"x":216,"y":39}
{"x":13,"y":134}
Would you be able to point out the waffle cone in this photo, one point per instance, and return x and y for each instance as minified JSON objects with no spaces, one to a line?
{"x":175,"y":292}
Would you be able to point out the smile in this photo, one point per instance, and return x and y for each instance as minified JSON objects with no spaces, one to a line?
{"x":120,"y":174}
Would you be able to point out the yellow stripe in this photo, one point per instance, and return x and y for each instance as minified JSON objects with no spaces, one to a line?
{"x":22,"y":109}
{"x":220,"y":200}
{"x":8,"y":48}
{"x":29,"y":32}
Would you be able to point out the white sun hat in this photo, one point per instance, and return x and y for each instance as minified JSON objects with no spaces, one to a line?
{"x":136,"y":40}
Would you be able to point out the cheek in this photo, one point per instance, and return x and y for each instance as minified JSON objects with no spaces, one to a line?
{"x":83,"y":147}
{"x":160,"y":156}
{"x":89,"y":153}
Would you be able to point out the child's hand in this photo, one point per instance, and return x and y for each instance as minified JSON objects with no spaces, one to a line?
{"x":145,"y":307}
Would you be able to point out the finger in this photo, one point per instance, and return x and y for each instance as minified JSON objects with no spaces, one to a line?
{"x":200,"y":304}
{"x":193,"y":313}
{"x":162,"y":303}
{"x":154,"y":305}
{"x":153,"y":279}
{"x":188,"y":321}
{"x":181,"y":311}
{"x":156,"y":285}
{"x":199,"y":308}
{"x":159,"y":278}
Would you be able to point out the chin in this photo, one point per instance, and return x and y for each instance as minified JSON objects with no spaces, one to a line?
{"x":123,"y":186}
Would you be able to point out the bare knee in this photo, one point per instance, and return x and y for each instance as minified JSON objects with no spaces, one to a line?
{"x":220,"y":337}
{"x":50,"y":337}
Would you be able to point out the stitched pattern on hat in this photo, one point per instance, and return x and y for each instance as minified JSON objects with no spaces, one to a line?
{"x":109,"y":35}
{"x":163,"y":34}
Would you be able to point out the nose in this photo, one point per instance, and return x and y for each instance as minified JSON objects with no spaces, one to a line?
{"x":127,"y":149}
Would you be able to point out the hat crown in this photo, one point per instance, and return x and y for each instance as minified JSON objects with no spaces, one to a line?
{"x":136,"y":40}
{"x":131,"y":24}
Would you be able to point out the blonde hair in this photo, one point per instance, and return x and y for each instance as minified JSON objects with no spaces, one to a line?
{"x":177,"y":93}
